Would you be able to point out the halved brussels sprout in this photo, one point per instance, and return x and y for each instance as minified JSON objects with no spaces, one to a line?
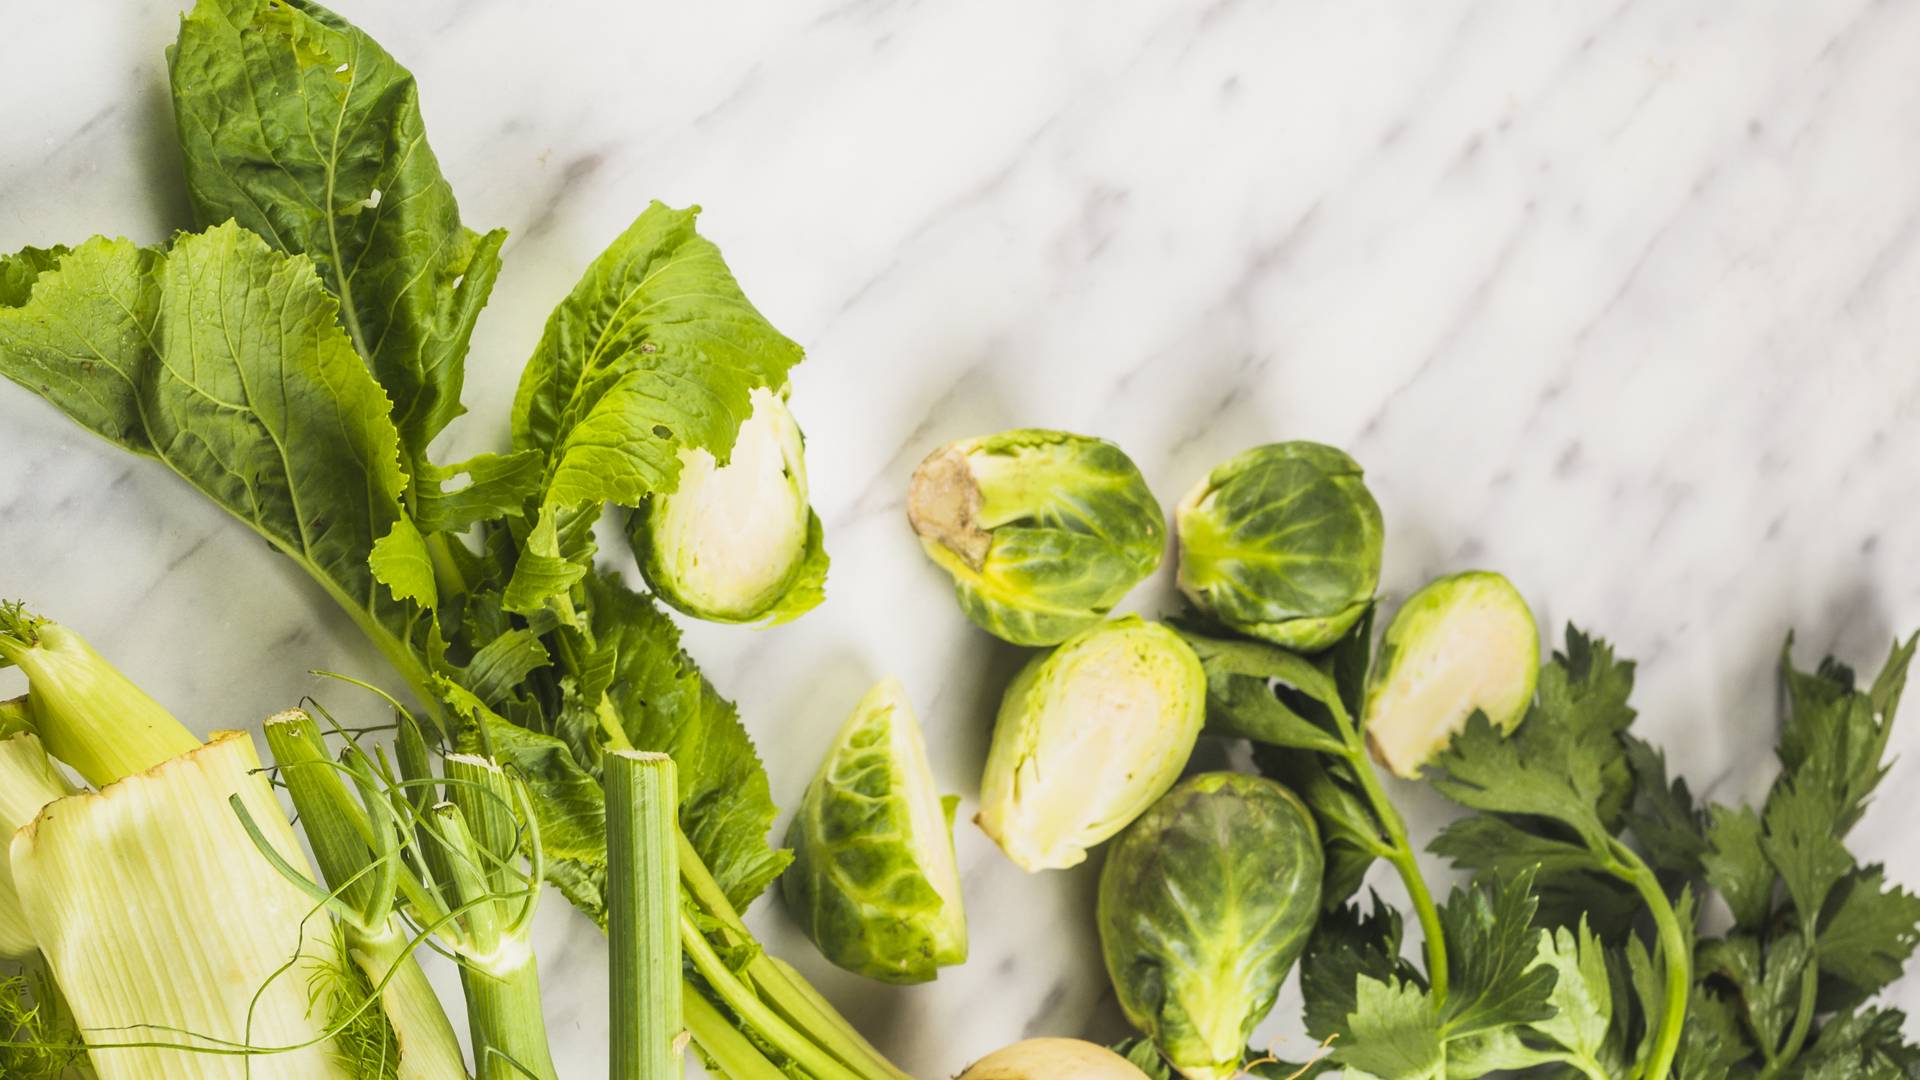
{"x":1282,"y":543}
{"x":874,"y":882}
{"x":1205,"y":903}
{"x":1087,"y":737}
{"x":737,"y":542}
{"x":1462,"y":643}
{"x":1043,"y":531}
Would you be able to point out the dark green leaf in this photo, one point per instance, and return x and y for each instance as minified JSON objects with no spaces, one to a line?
{"x":1394,"y":1031}
{"x":1662,"y":815}
{"x":1242,"y":677}
{"x":301,"y":128}
{"x":1736,"y":865}
{"x":1801,"y":843}
{"x":498,"y":485}
{"x":1346,"y":946}
{"x":224,"y":360}
{"x":1491,"y":948}
{"x":1867,"y":935}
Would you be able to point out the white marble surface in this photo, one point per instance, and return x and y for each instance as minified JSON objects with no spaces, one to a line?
{"x":1620,"y":298}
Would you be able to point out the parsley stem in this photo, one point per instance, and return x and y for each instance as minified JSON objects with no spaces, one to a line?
{"x":1403,"y":860}
{"x":1399,"y":852}
{"x":1624,"y":864}
{"x":1802,"y":1020}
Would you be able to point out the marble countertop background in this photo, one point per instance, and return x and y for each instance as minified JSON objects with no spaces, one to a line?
{"x":1621,"y":298}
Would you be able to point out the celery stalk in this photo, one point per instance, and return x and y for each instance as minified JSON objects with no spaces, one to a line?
{"x":643,"y":905}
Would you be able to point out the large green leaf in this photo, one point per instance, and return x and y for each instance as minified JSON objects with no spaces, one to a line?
{"x":303,"y":129}
{"x":655,"y":350}
{"x":224,"y":359}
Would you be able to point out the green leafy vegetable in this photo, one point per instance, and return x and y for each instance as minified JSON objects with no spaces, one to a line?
{"x":224,"y":360}
{"x":301,"y":128}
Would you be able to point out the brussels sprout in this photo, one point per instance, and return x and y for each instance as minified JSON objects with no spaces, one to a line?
{"x":1462,"y":643}
{"x":873,"y":881}
{"x":1282,"y":543}
{"x":1205,"y":903}
{"x":1087,"y":737}
{"x":737,"y":542}
{"x":1053,"y":1059}
{"x":1042,"y":531}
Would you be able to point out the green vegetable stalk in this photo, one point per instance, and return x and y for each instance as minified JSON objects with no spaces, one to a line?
{"x":445,"y":851}
{"x":643,"y":916}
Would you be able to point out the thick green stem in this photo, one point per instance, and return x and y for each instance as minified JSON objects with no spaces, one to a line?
{"x":643,"y":907}
{"x":503,"y":1007}
{"x":1627,"y":866}
{"x":87,"y":713}
{"x":428,"y":1048}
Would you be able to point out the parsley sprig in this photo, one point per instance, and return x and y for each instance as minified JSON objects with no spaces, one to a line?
{"x":1575,"y":946}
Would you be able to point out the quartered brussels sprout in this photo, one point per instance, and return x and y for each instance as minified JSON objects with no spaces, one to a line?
{"x":874,"y":882}
{"x":1087,"y":737}
{"x":1282,"y":543}
{"x":737,"y":542}
{"x":1042,"y":531}
{"x":1461,"y":644}
{"x":1205,"y":903}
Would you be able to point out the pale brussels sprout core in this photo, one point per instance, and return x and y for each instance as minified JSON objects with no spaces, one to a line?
{"x":1282,"y":543}
{"x":1053,"y":1059}
{"x":737,"y":542}
{"x":1042,"y":531}
{"x":874,"y":882}
{"x":1088,"y":736}
{"x":1462,"y":643}
{"x":1205,"y":903}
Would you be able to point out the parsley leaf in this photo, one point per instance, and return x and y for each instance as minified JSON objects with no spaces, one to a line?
{"x":1492,"y":946}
